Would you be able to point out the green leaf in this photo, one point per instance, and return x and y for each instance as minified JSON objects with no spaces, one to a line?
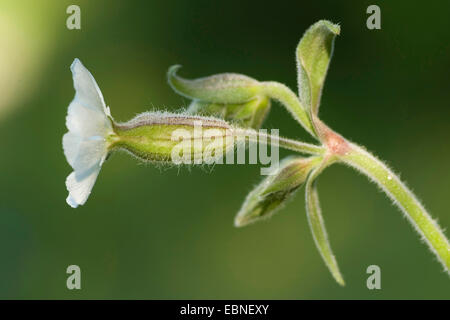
{"x":221,"y":88}
{"x":274,"y":191}
{"x":317,"y":226}
{"x":313,"y":57}
{"x":250,"y":114}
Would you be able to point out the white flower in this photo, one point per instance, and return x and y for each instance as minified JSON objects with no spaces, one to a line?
{"x":85,"y":145}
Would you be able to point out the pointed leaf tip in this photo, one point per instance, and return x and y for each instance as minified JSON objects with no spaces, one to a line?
{"x":314,"y":53}
{"x":317,"y":226}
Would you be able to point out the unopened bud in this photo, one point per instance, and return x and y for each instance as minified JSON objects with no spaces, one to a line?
{"x":221,"y":88}
{"x":274,"y":191}
{"x":250,"y":114}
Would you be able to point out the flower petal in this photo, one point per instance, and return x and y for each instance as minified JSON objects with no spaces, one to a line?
{"x":80,"y":186}
{"x":87,"y":90}
{"x":91,"y":153}
{"x":71,"y":145}
{"x":84,"y":153}
{"x":85,"y":121}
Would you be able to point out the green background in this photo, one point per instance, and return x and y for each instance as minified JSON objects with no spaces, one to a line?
{"x":160,"y":233}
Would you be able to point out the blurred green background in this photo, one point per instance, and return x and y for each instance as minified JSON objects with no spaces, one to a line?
{"x":157,"y":233}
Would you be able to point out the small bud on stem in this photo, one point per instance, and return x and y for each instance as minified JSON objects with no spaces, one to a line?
{"x":249,"y":114}
{"x":220,"y":88}
{"x":275,"y":190}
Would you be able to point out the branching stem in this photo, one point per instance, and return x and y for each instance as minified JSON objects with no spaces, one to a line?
{"x":379,"y":173}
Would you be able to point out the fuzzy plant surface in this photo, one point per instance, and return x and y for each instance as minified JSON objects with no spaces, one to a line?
{"x":232,"y":107}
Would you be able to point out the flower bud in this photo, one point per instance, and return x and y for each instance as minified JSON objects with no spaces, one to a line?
{"x":250,"y":114}
{"x":274,"y":191}
{"x":221,"y":88}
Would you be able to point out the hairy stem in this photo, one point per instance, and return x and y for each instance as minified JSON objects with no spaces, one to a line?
{"x":290,"y":144}
{"x":378,"y":172}
{"x":289,"y":99}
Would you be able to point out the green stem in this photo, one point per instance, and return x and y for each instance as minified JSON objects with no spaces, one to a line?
{"x":289,"y":99}
{"x":378,"y":172}
{"x":290,"y":144}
